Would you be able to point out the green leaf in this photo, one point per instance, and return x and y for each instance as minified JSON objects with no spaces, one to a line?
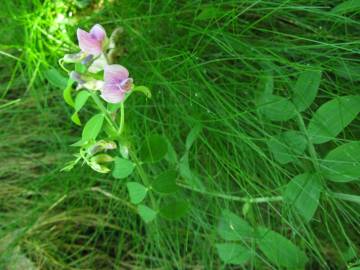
{"x":209,"y":12}
{"x":67,"y":93}
{"x":56,"y":78}
{"x":75,"y":118}
{"x":231,"y":253}
{"x":143,"y":89}
{"x":266,"y":86}
{"x":277,"y":108}
{"x":281,"y":251}
{"x":288,"y":146}
{"x":166,"y":182}
{"x":232,"y":228}
{"x":189,"y":176}
{"x":175,"y":209}
{"x":303,"y":193}
{"x":81,"y":99}
{"x":343,"y":163}
{"x":93,"y":127}
{"x":154,"y":148}
{"x":346,"y":7}
{"x":171,"y":155}
{"x":347,"y":70}
{"x":306,"y":89}
{"x":332,"y":117}
{"x":193,"y":135}
{"x":146,"y":213}
{"x":137,"y":192}
{"x":123,"y":168}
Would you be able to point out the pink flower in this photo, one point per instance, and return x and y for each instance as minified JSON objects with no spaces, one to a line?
{"x":116,"y":83}
{"x":92,"y":42}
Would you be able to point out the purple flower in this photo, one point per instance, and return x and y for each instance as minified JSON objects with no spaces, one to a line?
{"x":92,"y":42}
{"x":116,"y":83}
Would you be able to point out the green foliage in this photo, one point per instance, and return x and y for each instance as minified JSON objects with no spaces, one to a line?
{"x":192,"y":136}
{"x":277,"y":108}
{"x":55,"y":78}
{"x":346,"y":7}
{"x":332,"y":117}
{"x":280,"y":251}
{"x":306,"y":89}
{"x":154,"y":148}
{"x":232,"y":253}
{"x":174,"y":209}
{"x":343,"y":163}
{"x":123,"y":168}
{"x":93,"y":127}
{"x":287,"y":146}
{"x":232,"y":228}
{"x":303,"y":193}
{"x":166,"y":182}
{"x":146,"y":213}
{"x":137,"y":192}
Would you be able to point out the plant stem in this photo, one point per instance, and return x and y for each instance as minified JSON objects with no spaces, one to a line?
{"x":103,"y":110}
{"x":234,"y":198}
{"x":122,"y":117}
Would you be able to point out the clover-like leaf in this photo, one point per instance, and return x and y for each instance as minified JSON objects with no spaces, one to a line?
{"x":123,"y":168}
{"x":137,"y":192}
{"x":154,"y":148}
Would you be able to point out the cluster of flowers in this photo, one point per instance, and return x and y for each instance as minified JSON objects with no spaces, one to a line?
{"x":95,"y":50}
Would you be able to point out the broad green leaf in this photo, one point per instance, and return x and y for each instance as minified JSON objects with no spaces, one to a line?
{"x":266,"y":86}
{"x":193,"y":135}
{"x":166,"y":182}
{"x":171,"y":155}
{"x":123,"y":168}
{"x":343,"y":163}
{"x":332,"y":117}
{"x":189,"y":176}
{"x":175,"y":209}
{"x":93,"y":127}
{"x":154,"y":148}
{"x":346,"y":7}
{"x":75,"y":118}
{"x":137,"y":192}
{"x":146,"y":213}
{"x":56,"y":78}
{"x":288,"y":146}
{"x":347,"y":70}
{"x":306,"y":89}
{"x":81,"y":99}
{"x":277,"y":108}
{"x":303,"y":193}
{"x":143,"y":89}
{"x":231,"y":253}
{"x":67,"y":93}
{"x":281,"y":251}
{"x":231,"y":227}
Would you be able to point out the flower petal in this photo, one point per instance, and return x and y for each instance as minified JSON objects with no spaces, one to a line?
{"x":87,"y":43}
{"x":115,"y":73}
{"x":98,"y":32}
{"x":98,"y":64}
{"x":111,"y":93}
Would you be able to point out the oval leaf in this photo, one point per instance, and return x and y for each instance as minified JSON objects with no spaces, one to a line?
{"x":231,"y":253}
{"x":123,"y":168}
{"x":93,"y":127}
{"x":343,"y":163}
{"x":280,"y":251}
{"x":303,"y":193}
{"x":231,"y":227}
{"x":288,"y":146}
{"x":175,"y":209}
{"x":332,"y":117}
{"x":166,"y":182}
{"x":137,"y":192}
{"x":154,"y":148}
{"x":146,"y":213}
{"x":81,"y":99}
{"x":306,"y":89}
{"x":277,"y":108}
{"x":56,"y":78}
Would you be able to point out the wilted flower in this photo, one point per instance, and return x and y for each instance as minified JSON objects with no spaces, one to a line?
{"x":116,"y":83}
{"x":93,"y":42}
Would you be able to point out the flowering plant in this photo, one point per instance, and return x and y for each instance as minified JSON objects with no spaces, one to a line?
{"x":103,"y":145}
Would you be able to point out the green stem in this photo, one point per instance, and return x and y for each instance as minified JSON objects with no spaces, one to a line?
{"x":122,"y":118}
{"x":103,"y":110}
{"x":234,"y":198}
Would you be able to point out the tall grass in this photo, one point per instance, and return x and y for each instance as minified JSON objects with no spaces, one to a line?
{"x":204,"y":62}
